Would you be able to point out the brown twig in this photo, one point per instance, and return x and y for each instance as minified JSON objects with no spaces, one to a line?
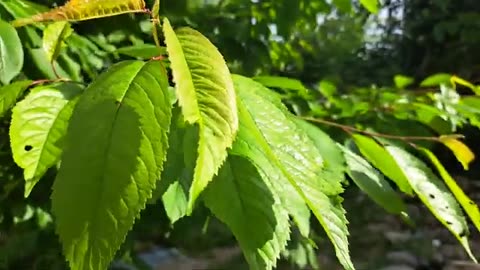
{"x":37,"y":82}
{"x":350,"y":129}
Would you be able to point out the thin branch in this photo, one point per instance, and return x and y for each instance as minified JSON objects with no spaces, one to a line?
{"x":38,"y":82}
{"x":350,"y":129}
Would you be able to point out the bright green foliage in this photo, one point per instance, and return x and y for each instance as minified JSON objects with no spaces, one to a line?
{"x":402,"y":81}
{"x":79,"y":10}
{"x":433,"y":193}
{"x":10,"y":93}
{"x":207,"y":98}
{"x":53,"y":38}
{"x":383,"y":161}
{"x":334,"y":166}
{"x":370,"y":5}
{"x":436,"y":80}
{"x":370,"y":181}
{"x":175,"y":201}
{"x":468,"y":204}
{"x":11,"y":53}
{"x":239,"y":197}
{"x":265,"y":125}
{"x":38,"y":127}
{"x":114,"y":154}
{"x":283,"y":83}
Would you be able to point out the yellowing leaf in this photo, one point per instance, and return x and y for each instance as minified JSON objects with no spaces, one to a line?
{"x":457,"y":80}
{"x":80,"y":10}
{"x":460,"y":150}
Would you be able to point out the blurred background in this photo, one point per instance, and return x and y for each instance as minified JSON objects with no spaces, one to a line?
{"x":332,"y":46}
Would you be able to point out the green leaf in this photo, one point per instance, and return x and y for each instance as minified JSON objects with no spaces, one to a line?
{"x":370,"y":5}
{"x":53,"y":38}
{"x":38,"y":127}
{"x":334,"y":165}
{"x":343,"y":5}
{"x":436,"y":80}
{"x":114,"y":152}
{"x":144,"y":51}
{"x":382,"y":160}
{"x":283,"y":83}
{"x":11,"y":53}
{"x":175,"y":201}
{"x":287,"y":157}
{"x":370,"y":181}
{"x":468,"y":204}
{"x":10,"y":93}
{"x":402,"y":81}
{"x":239,"y":197}
{"x":206,"y":95}
{"x":433,"y":193}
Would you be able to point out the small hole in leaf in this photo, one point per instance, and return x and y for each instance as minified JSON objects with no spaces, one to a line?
{"x":449,"y":223}
{"x":462,"y":234}
{"x":432,"y":196}
{"x":28,"y":147}
{"x":446,"y":207}
{"x":472,"y":203}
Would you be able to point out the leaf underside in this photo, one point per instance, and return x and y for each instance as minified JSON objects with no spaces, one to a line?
{"x":114,"y":153}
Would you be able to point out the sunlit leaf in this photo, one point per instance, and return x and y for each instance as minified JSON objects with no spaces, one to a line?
{"x":79,"y":10}
{"x":39,"y":124}
{"x":436,"y":80}
{"x":207,"y":99}
{"x":468,"y":204}
{"x":239,"y":197}
{"x":463,"y":154}
{"x":382,"y":160}
{"x":370,"y":5}
{"x":283,"y":83}
{"x":288,"y":158}
{"x":402,"y":81}
{"x":11,"y":53}
{"x":113,"y":156}
{"x":53,"y":38}
{"x":10,"y":93}
{"x":434,"y":194}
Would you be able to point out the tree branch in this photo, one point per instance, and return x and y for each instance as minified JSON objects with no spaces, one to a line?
{"x":350,"y":129}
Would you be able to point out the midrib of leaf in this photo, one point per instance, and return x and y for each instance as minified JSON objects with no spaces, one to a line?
{"x":266,"y":147}
{"x":107,"y":150}
{"x":190,"y":116}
